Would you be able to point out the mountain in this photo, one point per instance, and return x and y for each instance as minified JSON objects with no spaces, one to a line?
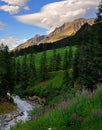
{"x":33,"y":41}
{"x":67,"y":29}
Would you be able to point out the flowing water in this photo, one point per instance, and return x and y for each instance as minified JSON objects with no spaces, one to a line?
{"x":9,"y":120}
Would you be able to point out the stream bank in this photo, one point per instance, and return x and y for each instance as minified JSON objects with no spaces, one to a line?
{"x":21,"y":114}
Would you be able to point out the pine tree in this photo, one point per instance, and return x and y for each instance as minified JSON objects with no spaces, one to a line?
{"x":66,"y":78}
{"x":51,"y":64}
{"x":43,"y":67}
{"x":32,"y":70}
{"x":54,"y":60}
{"x":84,"y":73}
{"x":70,"y":56}
{"x":6,"y":71}
{"x":25,"y":73}
{"x":99,"y":13}
{"x":58,"y":62}
{"x":17,"y":72}
{"x":98,"y":52}
{"x":76,"y":66}
{"x":66,"y":61}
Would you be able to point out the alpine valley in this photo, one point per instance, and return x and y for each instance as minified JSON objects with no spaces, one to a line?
{"x":54,"y":81}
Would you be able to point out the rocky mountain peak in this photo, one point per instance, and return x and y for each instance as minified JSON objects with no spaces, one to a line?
{"x":67,"y":29}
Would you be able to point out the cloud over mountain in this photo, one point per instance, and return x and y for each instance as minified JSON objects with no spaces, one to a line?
{"x":55,"y":14}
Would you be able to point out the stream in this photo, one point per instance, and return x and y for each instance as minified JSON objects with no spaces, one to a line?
{"x":21,"y":114}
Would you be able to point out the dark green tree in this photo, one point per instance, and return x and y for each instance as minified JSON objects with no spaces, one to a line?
{"x":32,"y":70}
{"x":51,"y":64}
{"x":6,"y":71}
{"x":43,"y":67}
{"x":25,"y":73}
{"x":66,"y":61}
{"x":66,"y":78}
{"x":54,"y":60}
{"x":70,"y":56}
{"x":18,"y":72}
{"x":99,"y":13}
{"x":98,"y":52}
{"x":76,"y":66}
{"x":58,"y":62}
{"x":83,"y":67}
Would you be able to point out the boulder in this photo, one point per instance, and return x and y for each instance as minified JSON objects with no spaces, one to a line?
{"x":37,"y":100}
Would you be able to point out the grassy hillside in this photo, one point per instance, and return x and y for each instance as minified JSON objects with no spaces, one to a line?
{"x":82,"y":112}
{"x":37,"y":57}
{"x":53,"y":84}
{"x":51,"y":89}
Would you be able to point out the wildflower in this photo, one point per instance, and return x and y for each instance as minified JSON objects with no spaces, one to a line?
{"x":84,"y":93}
{"x":96,"y":112}
{"x":91,"y":95}
{"x":53,"y":107}
{"x":79,"y":118}
{"x":75,"y":102}
{"x":74,"y":116}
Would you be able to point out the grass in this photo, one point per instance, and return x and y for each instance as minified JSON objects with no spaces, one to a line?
{"x":46,"y":88}
{"x":50,"y":89}
{"x":61,"y":51}
{"x":6,"y":107}
{"x":82,"y":112}
{"x":55,"y":78}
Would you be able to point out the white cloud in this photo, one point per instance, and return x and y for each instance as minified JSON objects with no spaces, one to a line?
{"x":16,"y":2}
{"x":26,"y":8}
{"x":2,"y":25}
{"x":12,"y":42}
{"x":9,"y":8}
{"x":14,"y":6}
{"x":57,"y":13}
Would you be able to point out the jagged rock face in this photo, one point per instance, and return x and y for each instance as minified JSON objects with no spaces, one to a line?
{"x":37,"y":39}
{"x":33,"y":41}
{"x":67,"y":29}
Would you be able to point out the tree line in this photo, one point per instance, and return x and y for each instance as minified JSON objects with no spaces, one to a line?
{"x":6,"y":71}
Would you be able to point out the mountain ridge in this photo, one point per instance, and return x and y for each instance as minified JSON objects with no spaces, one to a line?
{"x":67,"y":29}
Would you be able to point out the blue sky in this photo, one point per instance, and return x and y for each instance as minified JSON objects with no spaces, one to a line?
{"x":22,"y":19}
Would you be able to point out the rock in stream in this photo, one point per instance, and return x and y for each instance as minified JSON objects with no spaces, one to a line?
{"x":21,"y":114}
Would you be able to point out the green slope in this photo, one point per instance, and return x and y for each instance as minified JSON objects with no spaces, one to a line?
{"x":82,"y":112}
{"x":49,"y":53}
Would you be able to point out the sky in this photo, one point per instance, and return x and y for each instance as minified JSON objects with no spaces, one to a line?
{"x":21,"y":20}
